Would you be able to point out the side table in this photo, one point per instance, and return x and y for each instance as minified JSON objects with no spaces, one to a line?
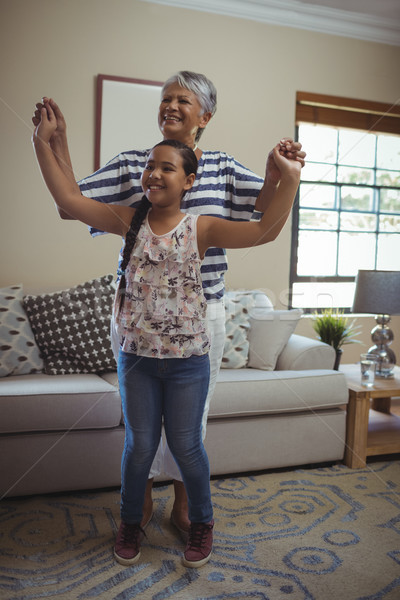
{"x":370,"y":433}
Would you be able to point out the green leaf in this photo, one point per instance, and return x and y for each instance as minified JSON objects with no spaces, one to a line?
{"x":334,"y":328}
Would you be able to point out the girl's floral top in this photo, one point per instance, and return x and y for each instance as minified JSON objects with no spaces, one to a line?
{"x":163,"y":315}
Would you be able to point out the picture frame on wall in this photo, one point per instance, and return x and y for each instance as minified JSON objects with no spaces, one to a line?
{"x":126,"y":116}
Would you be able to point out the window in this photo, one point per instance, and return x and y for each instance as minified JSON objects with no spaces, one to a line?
{"x":347,"y":213}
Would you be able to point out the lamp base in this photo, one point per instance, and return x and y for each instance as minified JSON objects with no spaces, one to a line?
{"x":382,"y":336}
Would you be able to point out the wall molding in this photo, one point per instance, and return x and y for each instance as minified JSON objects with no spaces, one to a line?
{"x":300,"y":15}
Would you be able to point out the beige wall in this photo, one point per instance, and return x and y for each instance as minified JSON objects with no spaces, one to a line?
{"x":57,"y":48}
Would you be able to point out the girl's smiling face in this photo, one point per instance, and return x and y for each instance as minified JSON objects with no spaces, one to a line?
{"x":164,"y":180}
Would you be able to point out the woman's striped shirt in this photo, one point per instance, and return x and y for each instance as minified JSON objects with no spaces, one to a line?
{"x":223,"y":188}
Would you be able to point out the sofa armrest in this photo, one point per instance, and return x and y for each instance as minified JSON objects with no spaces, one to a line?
{"x":303,"y":353}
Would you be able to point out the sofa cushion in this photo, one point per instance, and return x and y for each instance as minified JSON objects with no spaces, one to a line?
{"x":237,"y":308}
{"x":269,"y":333}
{"x":19,"y":352}
{"x":72,"y":327}
{"x":302,"y":353}
{"x":251,"y":392}
{"x":63,"y":402}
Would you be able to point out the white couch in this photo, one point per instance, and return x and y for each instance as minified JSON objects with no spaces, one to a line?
{"x":65,"y":432}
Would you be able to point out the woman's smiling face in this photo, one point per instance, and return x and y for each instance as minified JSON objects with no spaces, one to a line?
{"x":179,"y":115}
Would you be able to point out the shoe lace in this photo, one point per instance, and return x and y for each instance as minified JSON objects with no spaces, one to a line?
{"x":198,"y":534}
{"x":130,"y":534}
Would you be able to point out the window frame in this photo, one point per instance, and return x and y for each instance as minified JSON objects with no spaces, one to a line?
{"x":340,"y":112}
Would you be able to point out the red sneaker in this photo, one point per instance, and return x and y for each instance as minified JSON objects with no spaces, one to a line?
{"x":127,"y":544}
{"x":199,"y":547}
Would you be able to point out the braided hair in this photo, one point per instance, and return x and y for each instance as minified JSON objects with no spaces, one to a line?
{"x":190,"y":163}
{"x":130,"y":239}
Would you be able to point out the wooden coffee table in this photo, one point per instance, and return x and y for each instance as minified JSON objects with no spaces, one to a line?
{"x":370,"y":432}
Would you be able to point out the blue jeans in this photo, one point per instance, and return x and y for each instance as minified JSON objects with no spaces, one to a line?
{"x":173,"y":390}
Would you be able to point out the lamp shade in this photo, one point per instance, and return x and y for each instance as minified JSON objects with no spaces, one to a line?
{"x":377,"y":292}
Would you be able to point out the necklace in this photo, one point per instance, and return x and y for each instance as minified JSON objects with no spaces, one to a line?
{"x":195,"y":148}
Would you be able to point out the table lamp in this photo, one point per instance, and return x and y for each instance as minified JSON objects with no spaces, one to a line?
{"x":378,"y":293}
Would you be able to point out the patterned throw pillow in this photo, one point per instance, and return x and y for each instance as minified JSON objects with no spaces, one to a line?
{"x":72,"y":327}
{"x":19,"y":354}
{"x":237,"y":309}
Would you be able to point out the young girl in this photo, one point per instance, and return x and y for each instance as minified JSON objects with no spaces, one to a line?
{"x":163,"y":366}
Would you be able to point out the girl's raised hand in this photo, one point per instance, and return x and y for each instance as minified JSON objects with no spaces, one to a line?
{"x":290,"y":150}
{"x":287,"y":166}
{"x":46,"y":125}
{"x":61,"y":124}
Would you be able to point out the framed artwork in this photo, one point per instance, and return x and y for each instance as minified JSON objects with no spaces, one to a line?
{"x":126,"y":116}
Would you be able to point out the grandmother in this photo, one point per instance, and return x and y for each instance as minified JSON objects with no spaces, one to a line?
{"x":223,"y":187}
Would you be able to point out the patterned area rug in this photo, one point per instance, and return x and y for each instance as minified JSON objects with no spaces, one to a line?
{"x":326,"y":533}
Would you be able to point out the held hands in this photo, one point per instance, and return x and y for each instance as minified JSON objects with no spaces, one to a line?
{"x":289,"y":167}
{"x":61,"y":126}
{"x":289,"y":150}
{"x":45,"y":122}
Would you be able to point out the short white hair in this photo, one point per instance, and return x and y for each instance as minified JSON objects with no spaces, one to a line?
{"x":201,"y":86}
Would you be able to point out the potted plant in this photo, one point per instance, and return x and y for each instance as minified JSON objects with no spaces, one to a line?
{"x":334,"y":328}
